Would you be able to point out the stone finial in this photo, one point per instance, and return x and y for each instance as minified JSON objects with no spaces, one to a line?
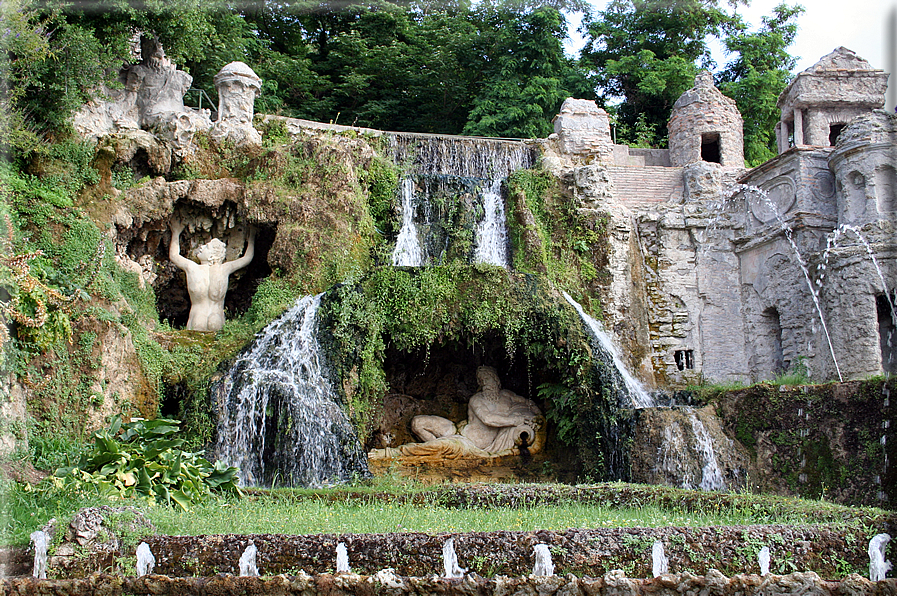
{"x":237,"y":86}
{"x":583,"y":130}
{"x":704,"y":79}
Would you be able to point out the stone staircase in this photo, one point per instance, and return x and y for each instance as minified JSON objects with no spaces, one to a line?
{"x":638,"y":186}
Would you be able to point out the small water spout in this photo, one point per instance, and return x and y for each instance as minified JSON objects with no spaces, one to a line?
{"x":543,"y":567}
{"x":342,"y":558}
{"x":450,"y":560}
{"x":878,"y":566}
{"x":247,"y":561}
{"x":814,"y":291}
{"x":41,"y":541}
{"x":659,"y":563}
{"x":763,"y":558}
{"x":145,"y":559}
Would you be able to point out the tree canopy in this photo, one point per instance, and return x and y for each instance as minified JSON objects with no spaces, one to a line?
{"x":494,"y":67}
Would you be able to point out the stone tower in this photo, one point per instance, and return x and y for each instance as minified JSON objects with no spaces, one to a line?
{"x":821,"y":100}
{"x":706,"y":126}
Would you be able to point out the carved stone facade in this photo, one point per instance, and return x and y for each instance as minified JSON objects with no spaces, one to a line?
{"x":821,"y":100}
{"x":789,"y":267}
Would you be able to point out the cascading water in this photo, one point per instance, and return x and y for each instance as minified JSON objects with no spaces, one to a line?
{"x":145,"y":560}
{"x":763,"y":559}
{"x":408,"y":252}
{"x":543,"y":566}
{"x":247,"y":561}
{"x":450,"y":560}
{"x":40,"y":540}
{"x":711,"y":476}
{"x":437,"y":168}
{"x":660,"y":565}
{"x":687,"y":455}
{"x":280,"y":419}
{"x":492,"y":238}
{"x":878,"y":566}
{"x":629,"y":391}
{"x":342,"y":558}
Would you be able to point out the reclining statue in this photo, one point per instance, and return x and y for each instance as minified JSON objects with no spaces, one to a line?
{"x":499,"y":422}
{"x":207,"y":281}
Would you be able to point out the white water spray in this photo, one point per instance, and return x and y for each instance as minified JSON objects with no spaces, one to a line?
{"x":492,"y":238}
{"x":814,"y":291}
{"x":41,"y":541}
{"x":543,"y":566}
{"x":763,"y":559}
{"x":878,"y":566}
{"x":145,"y":560}
{"x":450,"y":560}
{"x":342,"y":558}
{"x":248,"y":566}
{"x":279,"y":391}
{"x":711,"y":475}
{"x":408,"y":251}
{"x":638,"y":397}
{"x":659,"y":563}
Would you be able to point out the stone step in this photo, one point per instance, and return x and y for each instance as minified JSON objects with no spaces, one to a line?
{"x":645,"y":185}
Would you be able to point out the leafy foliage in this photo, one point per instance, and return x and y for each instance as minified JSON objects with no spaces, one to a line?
{"x":648,"y":51}
{"x":143,"y":458}
{"x":756,"y":77}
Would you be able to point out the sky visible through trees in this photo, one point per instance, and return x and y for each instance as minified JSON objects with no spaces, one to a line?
{"x":490,"y":68}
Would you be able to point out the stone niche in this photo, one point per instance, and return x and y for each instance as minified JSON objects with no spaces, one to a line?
{"x":209,"y":209}
{"x":823,"y":99}
{"x":440,"y":382}
{"x":706,"y":126}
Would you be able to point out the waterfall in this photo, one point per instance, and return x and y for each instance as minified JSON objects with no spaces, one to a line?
{"x":711,"y":476}
{"x":279,"y":417}
{"x":408,"y":252}
{"x":492,"y":237}
{"x":687,"y":456}
{"x":628,"y":389}
{"x":439,"y":171}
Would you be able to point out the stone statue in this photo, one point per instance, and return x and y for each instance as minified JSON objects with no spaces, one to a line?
{"x":237,"y":86}
{"x":160,"y":89}
{"x":499,"y":422}
{"x":207,"y":281}
{"x":160,"y":86}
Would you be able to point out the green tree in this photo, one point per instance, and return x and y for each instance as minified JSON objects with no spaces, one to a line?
{"x":757,"y":76}
{"x":647,"y":53}
{"x":526,"y":74}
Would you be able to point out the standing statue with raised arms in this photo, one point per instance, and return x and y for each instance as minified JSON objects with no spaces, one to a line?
{"x":207,"y":281}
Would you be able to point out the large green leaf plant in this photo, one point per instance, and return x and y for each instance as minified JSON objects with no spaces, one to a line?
{"x":144,"y":459}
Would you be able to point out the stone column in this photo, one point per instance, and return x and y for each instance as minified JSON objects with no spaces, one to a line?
{"x":798,"y":127}
{"x":781,"y":136}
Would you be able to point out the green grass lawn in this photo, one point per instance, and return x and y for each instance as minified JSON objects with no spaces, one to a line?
{"x":389,"y":507}
{"x":317,"y":516}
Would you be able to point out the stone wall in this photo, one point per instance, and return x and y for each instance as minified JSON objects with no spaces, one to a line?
{"x":612,"y":584}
